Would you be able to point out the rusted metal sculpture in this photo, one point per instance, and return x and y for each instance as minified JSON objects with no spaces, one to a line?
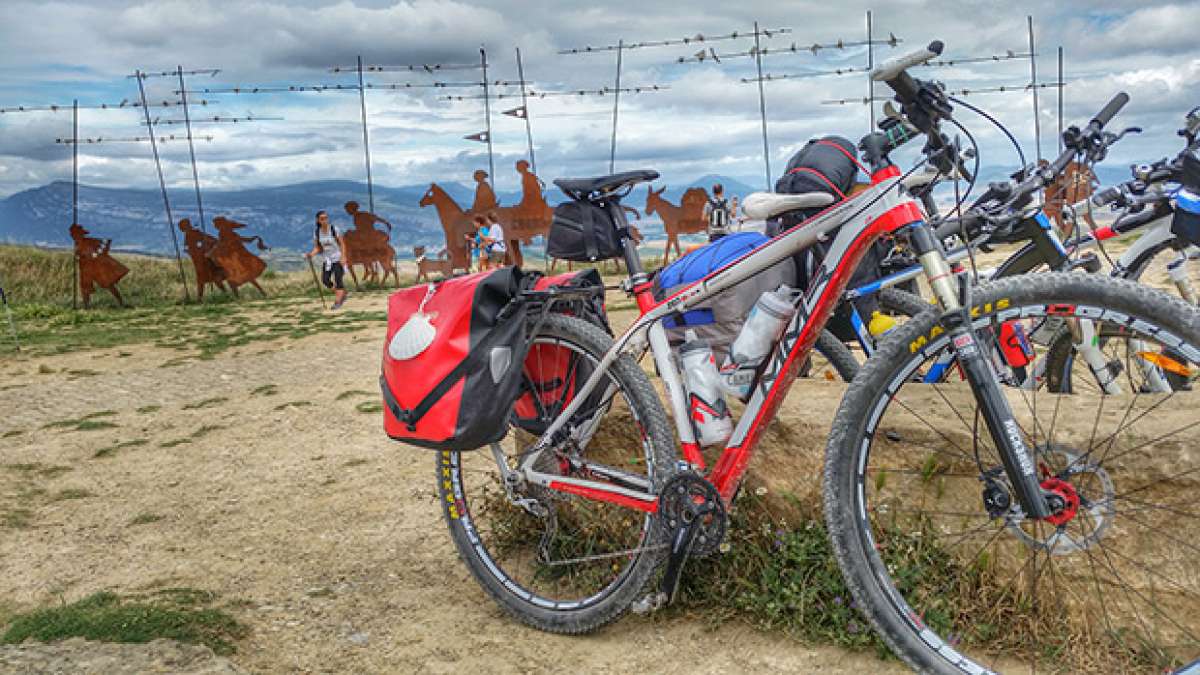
{"x":199,"y":246}
{"x":96,"y":266}
{"x":230,"y":254}
{"x":427,"y":266}
{"x":369,"y":247}
{"x":521,"y":223}
{"x":687,"y":218}
{"x":1072,"y":186}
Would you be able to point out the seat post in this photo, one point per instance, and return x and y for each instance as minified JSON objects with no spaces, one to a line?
{"x":633,"y":262}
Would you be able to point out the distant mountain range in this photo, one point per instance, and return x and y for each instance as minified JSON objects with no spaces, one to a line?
{"x":135,"y":220}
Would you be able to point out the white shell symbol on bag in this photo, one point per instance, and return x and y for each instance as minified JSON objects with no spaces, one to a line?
{"x":416,"y":334}
{"x":414,"y":337}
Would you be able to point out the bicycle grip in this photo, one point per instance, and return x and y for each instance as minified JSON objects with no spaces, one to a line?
{"x":1110,"y":111}
{"x":892,"y":68}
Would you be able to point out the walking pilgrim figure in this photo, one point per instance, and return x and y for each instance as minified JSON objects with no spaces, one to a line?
{"x":368,"y":246}
{"x":96,"y":266}
{"x":199,"y":246}
{"x":230,"y":254}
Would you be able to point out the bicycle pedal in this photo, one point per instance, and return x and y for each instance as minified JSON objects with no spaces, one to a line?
{"x":652,"y":602}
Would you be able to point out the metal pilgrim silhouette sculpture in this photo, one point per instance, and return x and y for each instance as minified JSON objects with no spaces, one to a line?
{"x":230,"y":255}
{"x":427,"y":266}
{"x":199,"y":246}
{"x":521,"y":222}
{"x":687,"y":218}
{"x":96,"y":267}
{"x":368,"y":246}
{"x":1073,"y":185}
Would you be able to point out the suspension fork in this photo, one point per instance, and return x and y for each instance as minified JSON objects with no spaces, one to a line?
{"x":989,"y":396}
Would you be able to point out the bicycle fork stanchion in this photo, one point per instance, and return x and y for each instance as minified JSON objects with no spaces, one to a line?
{"x":997,"y":414}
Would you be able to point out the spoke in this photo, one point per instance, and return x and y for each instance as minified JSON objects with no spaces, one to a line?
{"x":973,"y":476}
{"x":1054,"y":418}
{"x":1148,"y":506}
{"x":933,"y":428}
{"x":1139,"y":446}
{"x":1161,"y":533}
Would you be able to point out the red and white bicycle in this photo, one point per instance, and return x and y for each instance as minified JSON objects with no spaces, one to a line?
{"x":1063,"y":511}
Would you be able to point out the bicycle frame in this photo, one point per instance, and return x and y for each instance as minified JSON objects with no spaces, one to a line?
{"x":878,"y":211}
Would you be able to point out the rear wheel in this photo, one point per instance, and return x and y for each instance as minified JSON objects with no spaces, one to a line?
{"x":920,"y":510}
{"x":556,"y":561}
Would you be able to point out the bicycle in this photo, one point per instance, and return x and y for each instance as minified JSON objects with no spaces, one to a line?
{"x":565,"y":522}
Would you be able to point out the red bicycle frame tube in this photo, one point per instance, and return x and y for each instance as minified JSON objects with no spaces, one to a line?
{"x":791,"y":353}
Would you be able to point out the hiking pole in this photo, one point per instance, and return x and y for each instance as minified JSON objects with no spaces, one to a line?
{"x":12,"y":325}
{"x":312,"y":268}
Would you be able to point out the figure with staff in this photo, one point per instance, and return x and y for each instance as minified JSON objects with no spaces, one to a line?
{"x":330,"y":244}
{"x":240,"y":265}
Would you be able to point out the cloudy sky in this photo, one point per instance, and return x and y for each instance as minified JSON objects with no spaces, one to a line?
{"x":706,"y":122}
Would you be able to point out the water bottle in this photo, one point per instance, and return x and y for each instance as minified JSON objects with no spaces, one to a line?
{"x":710,"y":414}
{"x":763,"y":327}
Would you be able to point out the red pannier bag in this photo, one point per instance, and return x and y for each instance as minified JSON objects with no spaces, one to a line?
{"x":456,"y":393}
{"x":553,"y":373}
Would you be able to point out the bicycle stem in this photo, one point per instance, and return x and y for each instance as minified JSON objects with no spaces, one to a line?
{"x":989,"y":396}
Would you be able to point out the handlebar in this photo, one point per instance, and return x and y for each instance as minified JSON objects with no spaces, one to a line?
{"x":893,"y":68}
{"x":1110,"y":110}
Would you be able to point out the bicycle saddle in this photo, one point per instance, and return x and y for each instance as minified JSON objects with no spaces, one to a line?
{"x":763,"y":205}
{"x":579,"y":188}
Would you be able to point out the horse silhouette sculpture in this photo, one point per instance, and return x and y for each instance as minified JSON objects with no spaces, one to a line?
{"x":199,"y":245}
{"x":687,"y":218}
{"x":521,"y":222}
{"x":230,"y":254}
{"x":427,"y":266}
{"x":369,"y":247}
{"x":96,"y":266}
{"x":1072,"y":186}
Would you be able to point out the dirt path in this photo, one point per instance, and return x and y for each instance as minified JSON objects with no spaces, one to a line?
{"x":292,"y":505}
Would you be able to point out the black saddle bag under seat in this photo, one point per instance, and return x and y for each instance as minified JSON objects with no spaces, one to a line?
{"x":583,"y":232}
{"x":456,"y":393}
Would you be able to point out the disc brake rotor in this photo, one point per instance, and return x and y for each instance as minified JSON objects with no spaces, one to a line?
{"x":1088,"y":494}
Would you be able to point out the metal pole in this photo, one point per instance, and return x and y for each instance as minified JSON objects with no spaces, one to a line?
{"x":362,"y":101}
{"x":187,"y":121}
{"x":612,"y":151}
{"x":1061,"y":86}
{"x":487,"y":114}
{"x":74,"y":200}
{"x":870,"y":82}
{"x":1037,"y":123}
{"x":525,"y":107}
{"x":162,"y":184}
{"x":762,"y":105}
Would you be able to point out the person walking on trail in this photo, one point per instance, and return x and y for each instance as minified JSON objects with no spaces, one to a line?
{"x":330,"y":245}
{"x":497,"y":250}
{"x":716,"y":211}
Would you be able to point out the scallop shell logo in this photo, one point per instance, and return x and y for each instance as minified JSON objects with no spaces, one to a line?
{"x":414,"y":337}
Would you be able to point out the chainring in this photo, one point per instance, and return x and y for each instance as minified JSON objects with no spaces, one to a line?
{"x":680,"y":496}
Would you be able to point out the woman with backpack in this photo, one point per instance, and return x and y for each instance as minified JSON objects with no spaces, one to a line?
{"x":716,"y":212}
{"x":330,"y":245}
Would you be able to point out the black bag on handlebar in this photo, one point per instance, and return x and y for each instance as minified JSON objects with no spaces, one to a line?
{"x":583,"y":232}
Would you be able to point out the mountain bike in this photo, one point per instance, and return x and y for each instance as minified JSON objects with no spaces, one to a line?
{"x":571,"y":522}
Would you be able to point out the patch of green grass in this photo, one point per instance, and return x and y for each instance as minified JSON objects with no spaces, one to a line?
{"x":369,"y":407}
{"x":82,"y":372}
{"x":265,"y":390}
{"x":147,"y":409}
{"x":174,"y":443}
{"x":206,"y":430}
{"x":93,"y":425}
{"x":107,"y":617}
{"x":24,"y":467}
{"x":112,"y":449}
{"x":206,"y":403}
{"x":16,"y":518}
{"x":145,"y":519}
{"x":44,"y":369}
{"x":293,"y":404}
{"x":12,"y":433}
{"x":71,"y":493}
{"x":355,"y":462}
{"x":54,"y":471}
{"x":354,"y":392}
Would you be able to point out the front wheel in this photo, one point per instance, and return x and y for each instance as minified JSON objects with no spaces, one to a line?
{"x":924,"y":524}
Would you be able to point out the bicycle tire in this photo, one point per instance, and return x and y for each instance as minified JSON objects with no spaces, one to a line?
{"x":463,"y":517}
{"x":838,"y":355}
{"x":908,"y":620}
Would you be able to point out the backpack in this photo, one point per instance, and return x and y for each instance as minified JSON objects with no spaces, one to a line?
{"x":718,"y":215}
{"x":455,"y":394}
{"x":719,"y":319}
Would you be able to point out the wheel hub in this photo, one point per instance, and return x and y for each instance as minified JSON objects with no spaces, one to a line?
{"x":1082,"y":495}
{"x":1070,"y":501}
